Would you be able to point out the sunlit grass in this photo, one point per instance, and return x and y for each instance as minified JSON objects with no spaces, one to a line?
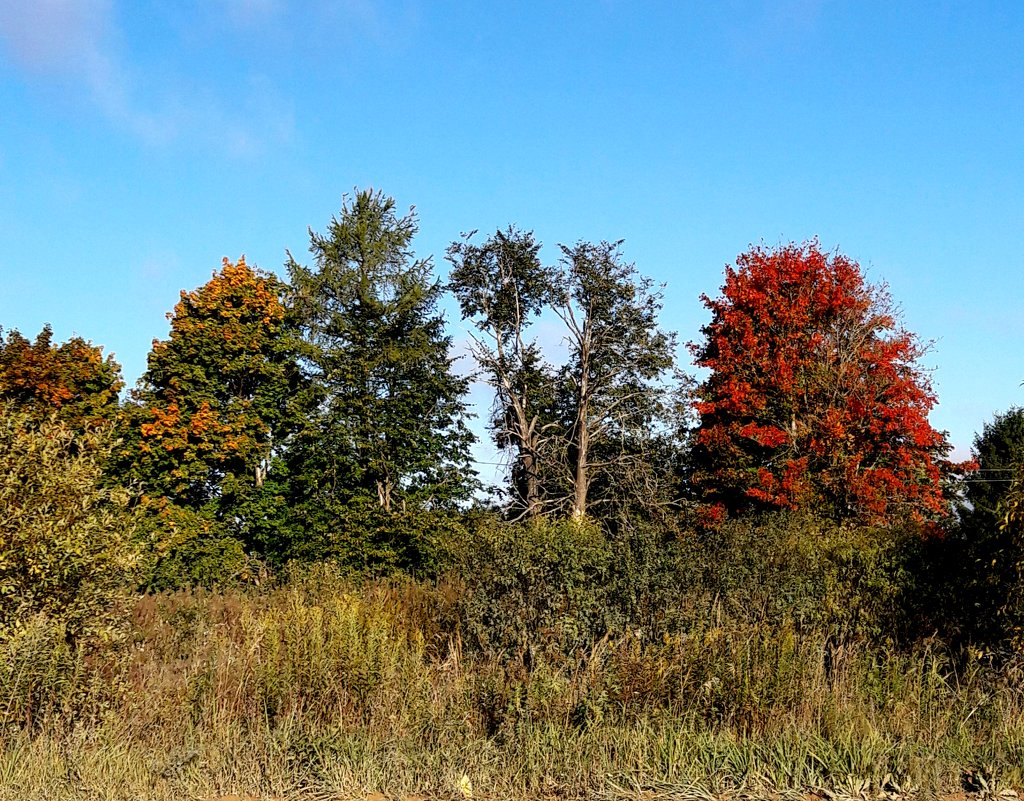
{"x":324,"y":689}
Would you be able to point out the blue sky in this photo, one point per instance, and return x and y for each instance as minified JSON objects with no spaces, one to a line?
{"x":142,"y":141}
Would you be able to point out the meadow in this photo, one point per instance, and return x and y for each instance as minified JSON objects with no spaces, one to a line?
{"x":749,"y":677}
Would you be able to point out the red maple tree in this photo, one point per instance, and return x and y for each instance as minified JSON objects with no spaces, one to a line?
{"x":815,"y":396}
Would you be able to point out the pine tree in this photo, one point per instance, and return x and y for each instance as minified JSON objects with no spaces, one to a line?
{"x":385,"y":444}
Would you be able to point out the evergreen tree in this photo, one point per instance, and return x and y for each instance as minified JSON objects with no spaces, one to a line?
{"x":384,"y":453}
{"x":991,"y":541}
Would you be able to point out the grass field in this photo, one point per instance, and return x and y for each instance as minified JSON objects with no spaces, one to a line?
{"x":323,"y":688}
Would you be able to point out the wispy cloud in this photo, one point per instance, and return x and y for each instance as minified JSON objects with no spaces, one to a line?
{"x":80,"y":42}
{"x":76,"y":40}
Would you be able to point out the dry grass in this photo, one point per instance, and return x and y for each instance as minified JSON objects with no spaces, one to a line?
{"x":324,"y":689}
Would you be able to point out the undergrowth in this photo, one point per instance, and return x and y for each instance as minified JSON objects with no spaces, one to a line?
{"x":323,"y":686}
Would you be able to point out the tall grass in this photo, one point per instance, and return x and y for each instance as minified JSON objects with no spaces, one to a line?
{"x":324,"y":688}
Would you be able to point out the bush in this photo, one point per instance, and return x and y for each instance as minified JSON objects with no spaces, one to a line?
{"x":536,"y":586}
{"x":852,"y":581}
{"x":189,"y":549}
{"x":66,"y":540}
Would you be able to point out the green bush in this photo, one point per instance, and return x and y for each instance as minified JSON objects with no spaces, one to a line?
{"x":534,"y":587}
{"x":66,"y":540}
{"x":186,"y":548}
{"x":850,"y":581}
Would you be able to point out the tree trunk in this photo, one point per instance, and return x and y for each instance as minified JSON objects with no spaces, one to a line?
{"x":532,"y":499}
{"x":581,"y":478}
{"x":384,"y":494}
{"x":582,"y":474}
{"x":526,"y":446}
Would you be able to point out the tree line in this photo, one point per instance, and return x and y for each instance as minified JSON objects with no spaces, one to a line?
{"x":321,"y":416}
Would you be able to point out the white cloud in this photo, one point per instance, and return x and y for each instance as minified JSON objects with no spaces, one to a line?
{"x":76,"y":39}
{"x":80,"y":42}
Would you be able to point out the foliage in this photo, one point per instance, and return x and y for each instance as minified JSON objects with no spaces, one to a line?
{"x":998,"y":451}
{"x":372,"y":541}
{"x":534,"y":585}
{"x":385,"y":427}
{"x":1011,"y":528}
{"x":211,"y":413}
{"x":67,"y":547}
{"x":322,"y":687}
{"x":981,"y":563}
{"x":502,"y":287}
{"x":191,"y":549}
{"x":594,"y":430}
{"x":792,"y":568}
{"x":615,"y":398}
{"x":815,"y":397}
{"x":72,"y":380}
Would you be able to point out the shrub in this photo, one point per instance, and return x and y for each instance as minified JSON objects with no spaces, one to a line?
{"x":186,"y":548}
{"x":850,"y":580}
{"x":66,"y":539}
{"x":539,"y":585}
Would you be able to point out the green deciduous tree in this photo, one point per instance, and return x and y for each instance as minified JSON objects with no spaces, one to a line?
{"x":618,"y":361}
{"x":594,"y":428}
{"x":385,"y":439}
{"x":502,"y":287}
{"x":998,"y":451}
{"x":211,"y":413}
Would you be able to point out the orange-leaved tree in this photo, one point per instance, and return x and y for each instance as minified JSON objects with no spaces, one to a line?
{"x":210,"y":412}
{"x":72,"y":380}
{"x":815,"y":397}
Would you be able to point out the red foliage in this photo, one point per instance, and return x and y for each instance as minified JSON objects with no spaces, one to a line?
{"x":815,"y":396}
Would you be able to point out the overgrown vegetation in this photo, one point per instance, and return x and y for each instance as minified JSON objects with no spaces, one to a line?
{"x":265,"y":572}
{"x":321,"y":686}
{"x":68,"y":551}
